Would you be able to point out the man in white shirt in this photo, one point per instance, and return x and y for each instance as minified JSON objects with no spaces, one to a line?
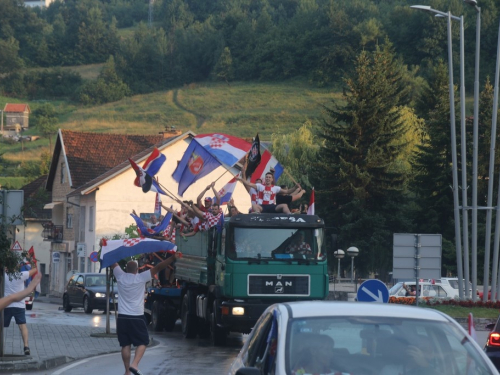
{"x":131,"y":325}
{"x":17,"y":310}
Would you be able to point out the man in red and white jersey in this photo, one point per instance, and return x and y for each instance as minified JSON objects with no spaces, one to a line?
{"x":267,"y":194}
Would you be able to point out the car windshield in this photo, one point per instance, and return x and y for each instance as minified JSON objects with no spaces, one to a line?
{"x":379,"y":345}
{"x":395,"y":288}
{"x":276,"y":243}
{"x":96,"y":280}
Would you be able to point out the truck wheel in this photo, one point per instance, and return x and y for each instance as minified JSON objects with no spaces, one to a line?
{"x":217,"y":334}
{"x":188,"y":317}
{"x":87,"y":307}
{"x":156,"y":317}
{"x":170,"y":319}
{"x":66,"y":306}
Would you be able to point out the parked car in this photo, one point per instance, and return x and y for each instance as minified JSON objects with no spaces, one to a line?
{"x":88,"y":290}
{"x":492,"y":346}
{"x":327,"y":337}
{"x":427,"y":289}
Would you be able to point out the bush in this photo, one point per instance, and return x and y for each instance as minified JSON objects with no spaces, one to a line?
{"x":429,"y":301}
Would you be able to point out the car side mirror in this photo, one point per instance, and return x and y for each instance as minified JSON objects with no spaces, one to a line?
{"x":248,"y":371}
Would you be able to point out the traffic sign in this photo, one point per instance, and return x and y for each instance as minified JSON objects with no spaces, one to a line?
{"x":94,"y":256}
{"x":373,"y":290}
{"x":16,"y":246}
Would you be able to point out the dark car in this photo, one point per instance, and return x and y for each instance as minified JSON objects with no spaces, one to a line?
{"x":492,"y":346}
{"x":88,"y":290}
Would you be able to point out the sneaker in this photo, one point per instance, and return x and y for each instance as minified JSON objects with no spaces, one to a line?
{"x":26,"y":350}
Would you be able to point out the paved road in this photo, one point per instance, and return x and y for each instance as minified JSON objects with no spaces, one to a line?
{"x":73,"y":343}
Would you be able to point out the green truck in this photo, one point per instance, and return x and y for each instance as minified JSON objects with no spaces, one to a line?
{"x":230,"y":274}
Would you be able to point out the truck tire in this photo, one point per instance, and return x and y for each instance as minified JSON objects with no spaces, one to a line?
{"x":157,"y":317}
{"x":218,"y":335}
{"x":188,"y":316}
{"x":170,"y":318}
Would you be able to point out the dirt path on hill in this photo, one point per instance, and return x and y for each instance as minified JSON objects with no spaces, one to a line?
{"x":200,"y":120}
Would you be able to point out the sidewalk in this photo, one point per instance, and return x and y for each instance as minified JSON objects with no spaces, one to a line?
{"x":54,"y":345}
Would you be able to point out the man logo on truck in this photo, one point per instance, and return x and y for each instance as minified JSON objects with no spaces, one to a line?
{"x":279,"y":290}
{"x":279,"y":283}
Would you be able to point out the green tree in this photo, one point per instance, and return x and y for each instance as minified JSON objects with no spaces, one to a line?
{"x":45,"y":119}
{"x":433,"y":164}
{"x":9,"y":55}
{"x":224,"y":67}
{"x":107,"y":88}
{"x":360,"y":181}
{"x":296,"y":151}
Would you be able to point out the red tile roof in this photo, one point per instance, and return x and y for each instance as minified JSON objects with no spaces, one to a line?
{"x":17,"y":108}
{"x":90,"y":155}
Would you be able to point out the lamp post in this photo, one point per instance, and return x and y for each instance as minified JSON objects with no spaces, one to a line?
{"x":352,"y":252}
{"x":339,"y":254}
{"x":456,"y":212}
{"x":475,"y":146}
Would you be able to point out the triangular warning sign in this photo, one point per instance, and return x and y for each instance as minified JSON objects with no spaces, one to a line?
{"x":16,"y":246}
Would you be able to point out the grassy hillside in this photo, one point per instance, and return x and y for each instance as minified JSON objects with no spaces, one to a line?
{"x":240,"y":109}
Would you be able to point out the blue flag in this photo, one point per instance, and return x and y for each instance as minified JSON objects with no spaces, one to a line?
{"x":195,"y":164}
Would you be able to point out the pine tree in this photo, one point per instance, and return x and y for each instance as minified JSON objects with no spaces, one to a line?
{"x":361,"y":180}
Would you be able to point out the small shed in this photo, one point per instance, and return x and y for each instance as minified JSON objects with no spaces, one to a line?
{"x":16,"y":115}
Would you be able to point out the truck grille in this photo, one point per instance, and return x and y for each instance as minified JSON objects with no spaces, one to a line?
{"x":278,"y":285}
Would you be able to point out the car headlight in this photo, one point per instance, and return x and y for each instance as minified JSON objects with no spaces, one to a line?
{"x":116,"y":295}
{"x":100,"y":295}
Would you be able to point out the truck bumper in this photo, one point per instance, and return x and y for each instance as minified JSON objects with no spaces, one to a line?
{"x":241,"y":323}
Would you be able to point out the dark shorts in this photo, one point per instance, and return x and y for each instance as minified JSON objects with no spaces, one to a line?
{"x":132,"y":330}
{"x":269,"y":208}
{"x":19,"y":314}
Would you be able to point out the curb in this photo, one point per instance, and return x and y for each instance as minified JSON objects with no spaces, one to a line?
{"x":10,"y":363}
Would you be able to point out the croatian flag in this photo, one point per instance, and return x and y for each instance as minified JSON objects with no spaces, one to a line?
{"x":113,"y":251}
{"x":226,"y":148}
{"x":156,"y":231}
{"x":227,"y":191}
{"x":267,"y":162}
{"x":310,"y":209}
{"x":195,"y":164}
{"x":144,"y":180}
{"x":154,"y":162}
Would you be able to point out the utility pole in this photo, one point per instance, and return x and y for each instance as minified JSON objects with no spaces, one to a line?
{"x":150,"y":13}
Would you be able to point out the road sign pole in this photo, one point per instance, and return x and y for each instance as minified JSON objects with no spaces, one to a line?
{"x":417,"y":264}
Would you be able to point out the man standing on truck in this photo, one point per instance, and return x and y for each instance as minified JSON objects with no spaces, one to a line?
{"x":268,"y":194}
{"x":131,"y":325}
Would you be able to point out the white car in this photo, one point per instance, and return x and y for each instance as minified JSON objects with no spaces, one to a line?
{"x":330,"y":337}
{"x":427,"y":289}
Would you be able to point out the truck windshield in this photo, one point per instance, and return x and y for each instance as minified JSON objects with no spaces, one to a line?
{"x":275,"y":243}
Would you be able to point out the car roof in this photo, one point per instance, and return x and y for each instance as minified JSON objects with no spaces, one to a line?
{"x":89,"y":274}
{"x":338,"y":308}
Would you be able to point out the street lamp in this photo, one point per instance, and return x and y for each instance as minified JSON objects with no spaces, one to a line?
{"x":339,"y":254}
{"x":352,"y":252}
{"x":456,"y":212}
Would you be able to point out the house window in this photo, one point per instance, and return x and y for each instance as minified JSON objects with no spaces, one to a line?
{"x":69,"y":218}
{"x":82,"y":224}
{"x":91,"y":218}
{"x":63,"y":173}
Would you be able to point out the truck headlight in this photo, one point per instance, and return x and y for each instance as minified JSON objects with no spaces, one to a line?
{"x":100,"y":295}
{"x":238,"y":311}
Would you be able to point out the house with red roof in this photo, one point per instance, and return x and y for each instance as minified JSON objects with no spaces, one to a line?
{"x":16,"y":116}
{"x":91,"y":183}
